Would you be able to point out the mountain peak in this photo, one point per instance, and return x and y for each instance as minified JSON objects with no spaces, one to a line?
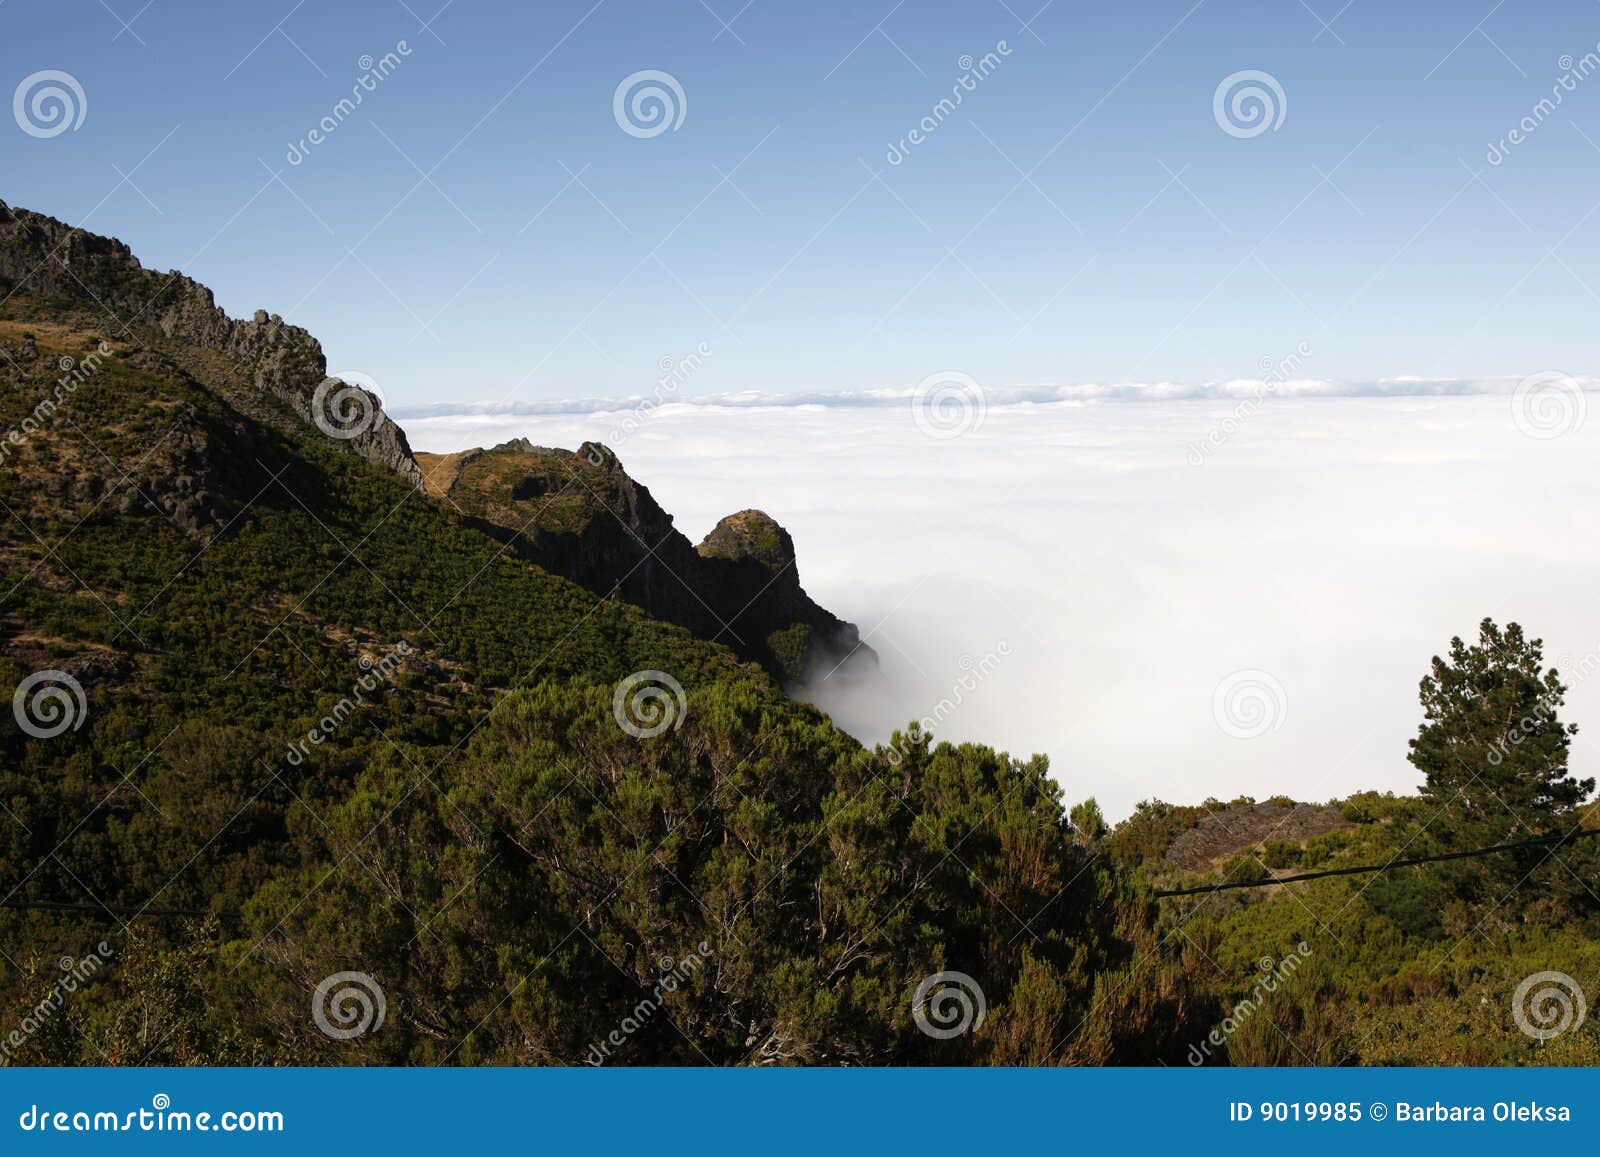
{"x":579,"y":514}
{"x":273,"y":371}
{"x":752,"y":534}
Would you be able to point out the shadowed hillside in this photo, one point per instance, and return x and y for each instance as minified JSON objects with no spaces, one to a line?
{"x":581,"y":516}
{"x":280,"y":716}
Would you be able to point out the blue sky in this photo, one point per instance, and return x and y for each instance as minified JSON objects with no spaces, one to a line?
{"x":1080,"y":217}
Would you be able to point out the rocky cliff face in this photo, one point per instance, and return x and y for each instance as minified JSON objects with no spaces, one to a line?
{"x":578,"y":514}
{"x":44,"y":258}
{"x":187,"y":470}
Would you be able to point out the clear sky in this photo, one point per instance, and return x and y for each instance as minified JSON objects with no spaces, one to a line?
{"x":482,"y":227}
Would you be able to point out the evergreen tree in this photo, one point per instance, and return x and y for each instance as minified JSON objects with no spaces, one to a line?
{"x":1492,"y":744}
{"x":1088,"y":823}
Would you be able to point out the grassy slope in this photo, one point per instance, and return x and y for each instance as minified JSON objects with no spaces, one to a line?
{"x":1401,"y":969}
{"x":478,"y":832}
{"x":255,"y":634}
{"x":452,"y":852}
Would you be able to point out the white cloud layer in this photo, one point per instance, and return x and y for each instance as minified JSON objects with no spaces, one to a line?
{"x":1280,"y":385}
{"x":1092,"y":587}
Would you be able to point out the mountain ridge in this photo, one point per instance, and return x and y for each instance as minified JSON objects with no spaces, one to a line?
{"x":256,"y":675}
{"x":49,"y":258}
{"x":260,"y":677}
{"x":579,"y":514}
{"x":276,"y":373}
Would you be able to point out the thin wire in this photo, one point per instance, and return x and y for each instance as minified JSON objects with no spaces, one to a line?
{"x":1541,"y":841}
{"x":114,"y":909}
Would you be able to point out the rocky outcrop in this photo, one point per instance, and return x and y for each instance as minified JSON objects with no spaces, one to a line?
{"x":751,"y":535}
{"x":189,"y":474}
{"x":578,"y":514}
{"x":46,"y":258}
{"x":1234,"y":828}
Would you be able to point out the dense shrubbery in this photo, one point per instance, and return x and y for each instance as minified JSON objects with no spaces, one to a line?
{"x":519,"y":874}
{"x":1400,"y":969}
{"x":1417,"y":964}
{"x":477,"y":832}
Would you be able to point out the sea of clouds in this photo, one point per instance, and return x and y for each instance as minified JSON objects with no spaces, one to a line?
{"x":1279,"y":385}
{"x":1171,"y":594}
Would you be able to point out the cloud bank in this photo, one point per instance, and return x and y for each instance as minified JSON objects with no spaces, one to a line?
{"x":1067,"y":578}
{"x":1083,"y":392}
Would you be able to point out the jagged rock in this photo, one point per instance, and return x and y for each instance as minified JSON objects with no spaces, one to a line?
{"x":750,"y":534}
{"x":517,"y":446}
{"x":579,"y":514}
{"x":1233,"y":828}
{"x":45,"y":257}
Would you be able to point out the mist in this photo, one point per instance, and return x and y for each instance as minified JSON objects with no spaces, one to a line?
{"x":1172,"y":599}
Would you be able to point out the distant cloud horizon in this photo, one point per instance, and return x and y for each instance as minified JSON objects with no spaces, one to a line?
{"x":1074,"y":579}
{"x":1083,"y":393}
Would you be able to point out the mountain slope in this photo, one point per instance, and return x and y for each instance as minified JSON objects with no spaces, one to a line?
{"x":282,"y":719}
{"x":578,"y":514}
{"x":279,"y":715}
{"x":274,"y":371}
